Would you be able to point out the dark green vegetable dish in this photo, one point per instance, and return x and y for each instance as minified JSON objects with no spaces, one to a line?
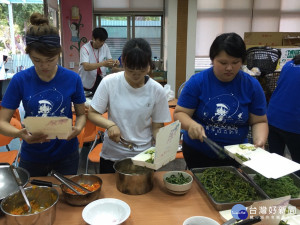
{"x":226,"y":186}
{"x":178,"y":179}
{"x":276,"y":188}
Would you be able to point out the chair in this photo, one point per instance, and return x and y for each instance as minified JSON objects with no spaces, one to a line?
{"x":180,"y":89}
{"x":94,"y":153}
{"x":89,"y":131}
{"x":87,"y":134}
{"x":10,"y":156}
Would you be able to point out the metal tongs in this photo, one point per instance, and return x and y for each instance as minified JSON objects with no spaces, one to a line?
{"x":215,"y":147}
{"x":128,"y":144}
{"x":69,"y":183}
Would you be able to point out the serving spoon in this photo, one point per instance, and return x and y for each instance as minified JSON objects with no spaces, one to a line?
{"x":19,"y":182}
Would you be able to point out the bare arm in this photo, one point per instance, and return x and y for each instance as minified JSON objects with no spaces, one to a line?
{"x":113,"y":130}
{"x":155,"y":128}
{"x":93,"y":66}
{"x":260,"y":130}
{"x":80,"y":120}
{"x":184,"y":115}
{"x":7,"y":129}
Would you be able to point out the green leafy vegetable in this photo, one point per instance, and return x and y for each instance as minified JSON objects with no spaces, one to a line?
{"x":152,"y":153}
{"x":178,"y":179}
{"x":276,"y":188}
{"x":283,"y":223}
{"x":226,"y":186}
{"x":248,"y":147}
{"x":241,"y":157}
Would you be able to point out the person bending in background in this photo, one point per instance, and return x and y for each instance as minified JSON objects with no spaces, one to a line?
{"x":95,"y":57}
{"x":221,"y":103}
{"x":137,"y":106}
{"x":45,"y":89}
{"x":284,"y":110}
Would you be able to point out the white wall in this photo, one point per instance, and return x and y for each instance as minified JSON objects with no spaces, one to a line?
{"x":191,"y":38}
{"x":170,"y":40}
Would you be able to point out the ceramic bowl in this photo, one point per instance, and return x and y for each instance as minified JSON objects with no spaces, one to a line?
{"x":106,"y":211}
{"x":178,"y":189}
{"x":200,"y":220}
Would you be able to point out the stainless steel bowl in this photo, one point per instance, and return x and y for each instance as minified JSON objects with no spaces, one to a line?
{"x":80,"y":200}
{"x":132,"y":179}
{"x":45,"y":197}
{"x":8,"y":183}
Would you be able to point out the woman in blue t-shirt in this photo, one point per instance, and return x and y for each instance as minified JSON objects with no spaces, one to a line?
{"x":46,"y":90}
{"x":284,"y":110}
{"x":221,"y":103}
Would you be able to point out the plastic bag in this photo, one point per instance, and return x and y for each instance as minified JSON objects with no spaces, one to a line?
{"x":169,"y":92}
{"x":253,"y":72}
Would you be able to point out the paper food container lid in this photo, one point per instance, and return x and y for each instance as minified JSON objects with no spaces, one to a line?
{"x":167,"y":142}
{"x":270,"y":165}
{"x":59,"y":127}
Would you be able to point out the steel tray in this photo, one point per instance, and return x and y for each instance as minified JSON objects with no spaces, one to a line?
{"x":293,"y":201}
{"x":227,"y":205}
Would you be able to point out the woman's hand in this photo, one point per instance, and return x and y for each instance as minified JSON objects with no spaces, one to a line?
{"x":32,"y":138}
{"x":114,"y":133}
{"x":75,"y":132}
{"x":109,"y":63}
{"x":196,"y":131}
{"x":184,"y":115}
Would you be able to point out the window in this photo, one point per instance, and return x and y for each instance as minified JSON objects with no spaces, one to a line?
{"x":219,"y":16}
{"x":124,"y":27}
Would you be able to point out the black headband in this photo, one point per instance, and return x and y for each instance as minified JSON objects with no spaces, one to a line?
{"x":51,"y":40}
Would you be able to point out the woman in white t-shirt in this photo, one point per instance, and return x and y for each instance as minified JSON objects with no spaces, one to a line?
{"x":137,"y":106}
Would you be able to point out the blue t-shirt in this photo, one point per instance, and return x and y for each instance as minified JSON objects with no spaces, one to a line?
{"x":40,"y":98}
{"x":284,"y":106}
{"x":222,"y":108}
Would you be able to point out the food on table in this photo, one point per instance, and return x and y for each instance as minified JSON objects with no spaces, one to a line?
{"x":178,"y":179}
{"x":276,"y":188}
{"x":23,"y":210}
{"x":247,"y":147}
{"x":241,"y":157}
{"x":152,"y":153}
{"x":226,"y":186}
{"x":283,"y":223}
{"x":90,"y":187}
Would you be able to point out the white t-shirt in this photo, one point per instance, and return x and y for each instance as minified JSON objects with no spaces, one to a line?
{"x":133,"y":110}
{"x":90,"y":55}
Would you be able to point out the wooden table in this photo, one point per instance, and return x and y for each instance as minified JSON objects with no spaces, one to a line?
{"x":157,"y":207}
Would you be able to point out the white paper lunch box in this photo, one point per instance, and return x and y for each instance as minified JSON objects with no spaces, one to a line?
{"x":166,"y":147}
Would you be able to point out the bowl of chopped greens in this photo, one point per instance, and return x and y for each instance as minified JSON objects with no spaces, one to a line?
{"x":178,"y":182}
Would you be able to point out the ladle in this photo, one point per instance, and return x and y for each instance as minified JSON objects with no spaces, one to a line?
{"x":19,"y":182}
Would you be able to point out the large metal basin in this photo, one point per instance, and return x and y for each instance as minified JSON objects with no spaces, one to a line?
{"x":45,"y":197}
{"x":132,"y":179}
